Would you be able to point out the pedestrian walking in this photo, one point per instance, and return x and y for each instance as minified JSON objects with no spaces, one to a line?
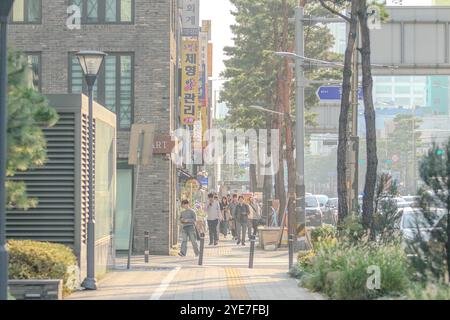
{"x":214,"y":215}
{"x":225,"y":209}
{"x":188,"y":219}
{"x":216,"y":199}
{"x":232,"y":223}
{"x":254,"y":217}
{"x":242,"y":212}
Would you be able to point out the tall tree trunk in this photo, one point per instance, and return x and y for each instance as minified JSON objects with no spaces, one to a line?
{"x":268,"y":181}
{"x":280,"y":45}
{"x":280,"y":190}
{"x":286,"y":104}
{"x":369,"y":114}
{"x":343,"y":207}
{"x":252,"y":174}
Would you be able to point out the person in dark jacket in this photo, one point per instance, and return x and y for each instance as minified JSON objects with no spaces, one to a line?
{"x":232,"y":205}
{"x":242,"y":212}
{"x":224,"y":207}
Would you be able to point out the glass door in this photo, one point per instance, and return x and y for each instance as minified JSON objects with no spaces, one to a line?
{"x":124,"y":207}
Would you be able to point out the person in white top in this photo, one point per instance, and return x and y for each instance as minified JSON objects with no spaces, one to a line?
{"x":214,"y":215}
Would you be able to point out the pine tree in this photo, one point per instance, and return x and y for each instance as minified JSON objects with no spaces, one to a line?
{"x":28,"y":114}
{"x":433,"y":250}
{"x":256,"y":76}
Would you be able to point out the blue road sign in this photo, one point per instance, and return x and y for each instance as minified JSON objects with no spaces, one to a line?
{"x":334,"y":93}
{"x":203,"y":181}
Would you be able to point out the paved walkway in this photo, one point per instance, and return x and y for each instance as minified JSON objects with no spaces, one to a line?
{"x":224,"y":276}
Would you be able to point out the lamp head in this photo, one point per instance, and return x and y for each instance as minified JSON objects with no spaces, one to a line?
{"x":90,"y":62}
{"x":286,"y":54}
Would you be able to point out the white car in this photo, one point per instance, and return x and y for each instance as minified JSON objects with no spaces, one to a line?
{"x":413,"y":223}
{"x":313,"y":211}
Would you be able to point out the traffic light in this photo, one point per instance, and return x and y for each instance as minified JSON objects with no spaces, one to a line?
{"x":440,"y":152}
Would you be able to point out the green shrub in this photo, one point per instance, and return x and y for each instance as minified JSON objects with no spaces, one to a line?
{"x":341,"y":272}
{"x":10,"y":297}
{"x":430,"y":291}
{"x":41,"y":260}
{"x":352,"y":229}
{"x":324,"y":236}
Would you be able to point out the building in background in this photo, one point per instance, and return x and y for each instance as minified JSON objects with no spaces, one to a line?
{"x":339,"y":32}
{"x":138,"y":82}
{"x":404,"y":91}
{"x":438,"y":91}
{"x":441,"y":2}
{"x":407,"y":2}
{"x":221,"y":111}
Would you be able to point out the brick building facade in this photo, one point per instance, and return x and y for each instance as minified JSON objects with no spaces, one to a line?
{"x":139,"y":82}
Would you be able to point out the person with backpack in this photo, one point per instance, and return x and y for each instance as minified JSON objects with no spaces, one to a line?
{"x":188,"y":219}
{"x":242,"y":212}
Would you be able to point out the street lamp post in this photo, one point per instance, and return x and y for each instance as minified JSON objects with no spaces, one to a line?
{"x":90,"y":62}
{"x":300,"y":114}
{"x":5,"y":8}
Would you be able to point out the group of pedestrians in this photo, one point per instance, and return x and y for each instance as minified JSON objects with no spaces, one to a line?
{"x":229,"y":215}
{"x":245,"y":218}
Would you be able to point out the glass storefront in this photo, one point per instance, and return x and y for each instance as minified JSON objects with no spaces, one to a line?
{"x":124,"y":206}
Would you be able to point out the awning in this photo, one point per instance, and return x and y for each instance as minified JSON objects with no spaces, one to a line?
{"x":183,"y":175}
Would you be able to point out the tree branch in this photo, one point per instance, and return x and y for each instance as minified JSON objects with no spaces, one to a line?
{"x":334,"y":11}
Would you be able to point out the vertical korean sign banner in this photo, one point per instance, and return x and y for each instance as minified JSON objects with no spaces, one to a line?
{"x":190,"y":77}
{"x":204,"y":84}
{"x":190,"y":16}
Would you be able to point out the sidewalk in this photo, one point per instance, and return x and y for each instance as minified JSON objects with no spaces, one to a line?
{"x":224,"y":276}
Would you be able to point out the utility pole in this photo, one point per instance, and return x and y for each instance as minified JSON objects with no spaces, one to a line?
{"x":414,"y":155}
{"x":5,"y":8}
{"x":300,"y":21}
{"x":300,"y":120}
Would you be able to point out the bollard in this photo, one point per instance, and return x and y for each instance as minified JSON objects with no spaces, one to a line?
{"x":252,"y":251}
{"x":291,"y":250}
{"x":202,"y":246}
{"x":146,"y":245}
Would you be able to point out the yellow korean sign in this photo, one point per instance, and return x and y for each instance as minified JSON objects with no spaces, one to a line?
{"x":190,"y":79}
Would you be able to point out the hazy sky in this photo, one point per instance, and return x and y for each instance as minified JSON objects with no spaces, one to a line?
{"x":219,"y":12}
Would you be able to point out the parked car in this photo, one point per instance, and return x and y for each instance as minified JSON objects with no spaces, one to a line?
{"x":330,"y":214}
{"x":413,"y":222}
{"x":411,"y":198}
{"x":313,"y":211}
{"x":399,"y":202}
{"x":323,"y":199}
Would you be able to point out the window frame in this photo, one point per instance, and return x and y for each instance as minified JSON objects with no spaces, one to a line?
{"x":101,"y":85}
{"x":25,"y":15}
{"x":101,"y":13}
{"x":39,"y":55}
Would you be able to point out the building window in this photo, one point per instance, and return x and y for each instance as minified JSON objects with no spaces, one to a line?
{"x":381,"y":89}
{"x":26,"y":11}
{"x":105,"y":11}
{"x":34,"y":61}
{"x":402,"y":90}
{"x":113,"y":88}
